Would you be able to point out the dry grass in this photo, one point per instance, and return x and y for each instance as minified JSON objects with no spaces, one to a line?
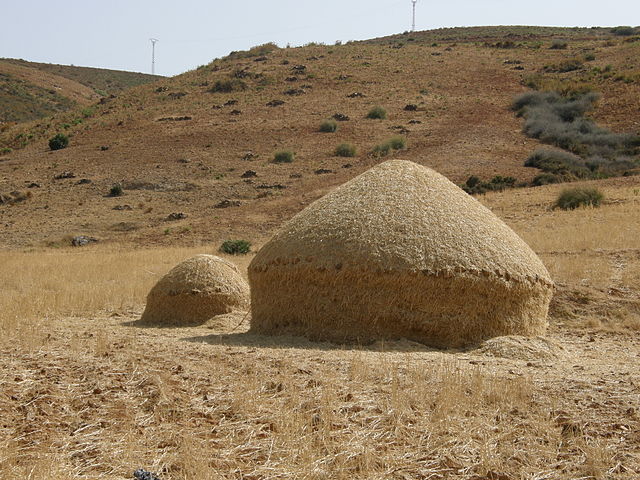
{"x":96,"y":407}
{"x":42,"y":285}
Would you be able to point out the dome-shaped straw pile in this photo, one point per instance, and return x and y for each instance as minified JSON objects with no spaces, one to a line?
{"x":398,"y":251}
{"x":196,"y":290}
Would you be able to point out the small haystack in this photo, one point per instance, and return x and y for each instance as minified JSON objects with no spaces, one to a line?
{"x":398,"y":252}
{"x":196,"y":290}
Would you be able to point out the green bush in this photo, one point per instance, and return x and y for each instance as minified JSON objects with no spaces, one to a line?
{"x":116,"y":190}
{"x":235,"y":247}
{"x":558,"y":45}
{"x":329,"y":126}
{"x":572,"y":198}
{"x":623,"y":31}
{"x":398,"y":143}
{"x":382,"y":149}
{"x":283,"y":156}
{"x":345,"y":150}
{"x":377,"y":113}
{"x":228,"y":85}
{"x":58,"y":141}
{"x":5,"y":150}
{"x":394,"y":143}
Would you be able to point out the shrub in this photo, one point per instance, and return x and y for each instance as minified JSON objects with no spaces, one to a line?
{"x":398,"y":143}
{"x":5,"y":150}
{"x":572,"y":198}
{"x":377,"y":113}
{"x":235,"y":247}
{"x":58,"y":141}
{"x":394,"y":143}
{"x":623,"y":31}
{"x":474,"y":185}
{"x":546,"y":179}
{"x":589,"y":57}
{"x":329,"y":126}
{"x":558,"y":45}
{"x":560,"y":121}
{"x":382,"y":149}
{"x":116,"y":190}
{"x":558,"y":163}
{"x":345,"y":150}
{"x":228,"y":85}
{"x":283,"y":156}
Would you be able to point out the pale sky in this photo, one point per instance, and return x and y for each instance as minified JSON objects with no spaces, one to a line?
{"x":115,"y":34}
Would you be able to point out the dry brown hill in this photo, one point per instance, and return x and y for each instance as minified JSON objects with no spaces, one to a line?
{"x":31,"y":90}
{"x":186,"y":145}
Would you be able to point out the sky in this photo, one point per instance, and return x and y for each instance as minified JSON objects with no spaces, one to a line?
{"x":115,"y":34}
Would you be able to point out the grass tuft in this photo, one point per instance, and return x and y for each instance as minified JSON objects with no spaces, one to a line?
{"x":572,"y":198}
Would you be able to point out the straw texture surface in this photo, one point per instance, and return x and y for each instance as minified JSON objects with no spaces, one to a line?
{"x":398,"y":251}
{"x":196,"y":290}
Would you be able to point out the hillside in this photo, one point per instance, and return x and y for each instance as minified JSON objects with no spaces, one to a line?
{"x":31,"y":90}
{"x":205,"y":140}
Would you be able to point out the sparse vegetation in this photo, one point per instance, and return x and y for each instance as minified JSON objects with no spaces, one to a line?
{"x":394,"y":143}
{"x":329,"y":126}
{"x":594,"y":152}
{"x":283,"y":156}
{"x":228,"y":85}
{"x":572,"y":198}
{"x":345,"y":150}
{"x":116,"y":190}
{"x":623,"y":31}
{"x":559,"y":45}
{"x":377,"y":113}
{"x":58,"y":141}
{"x":474,"y":185}
{"x":235,"y":247}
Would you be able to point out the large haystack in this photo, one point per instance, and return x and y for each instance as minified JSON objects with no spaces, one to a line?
{"x":196,"y":290}
{"x":398,"y":251}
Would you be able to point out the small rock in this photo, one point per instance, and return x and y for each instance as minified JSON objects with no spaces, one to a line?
{"x":299,"y":68}
{"x":184,"y":160}
{"x":235,"y":112}
{"x":83,"y":181}
{"x":82,"y":240}
{"x":340,"y":117}
{"x":64,"y":175}
{"x":347,"y":165}
{"x":291,"y":79}
{"x":414,"y":122}
{"x":104,"y":148}
{"x":229,"y":102}
{"x":249,"y":174}
{"x":176,"y":216}
{"x":227,"y":204}
{"x":275,"y":103}
{"x":411,"y":107}
{"x":141,"y":474}
{"x":320,"y":171}
{"x":33,"y":185}
{"x":294,"y":91}
{"x":356,"y":95}
{"x":248,"y":156}
{"x":122,"y":207}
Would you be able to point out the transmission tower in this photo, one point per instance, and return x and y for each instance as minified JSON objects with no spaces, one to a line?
{"x":153,"y":55}
{"x":413,"y":23}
